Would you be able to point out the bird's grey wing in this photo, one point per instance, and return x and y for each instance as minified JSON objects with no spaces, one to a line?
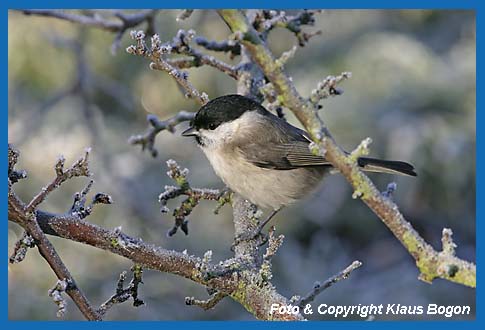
{"x":282,"y":156}
{"x":278,"y":145}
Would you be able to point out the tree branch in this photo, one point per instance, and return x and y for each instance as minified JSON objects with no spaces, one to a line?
{"x":194,"y":196}
{"x":155,"y":53}
{"x":122,"y":22}
{"x":123,"y":294}
{"x":251,"y":293}
{"x":429,"y":262}
{"x":29,"y":221}
{"x":232,"y":47}
{"x":320,"y":287}
{"x":147,"y":139}
{"x":206,"y":304}
{"x":27,"y":218}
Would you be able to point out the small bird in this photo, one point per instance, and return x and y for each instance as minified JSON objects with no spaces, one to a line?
{"x":262,"y":157}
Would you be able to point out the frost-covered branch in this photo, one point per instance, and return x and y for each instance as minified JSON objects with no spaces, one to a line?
{"x":320,"y":287}
{"x":430,"y":262}
{"x":123,"y":294}
{"x":239,"y":278}
{"x":119,"y":23}
{"x":147,"y":139}
{"x":26,"y":216}
{"x":194,"y":196}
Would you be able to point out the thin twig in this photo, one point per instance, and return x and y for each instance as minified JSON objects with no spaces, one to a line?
{"x":233,"y":47}
{"x":123,"y":294}
{"x":194,"y":196}
{"x":184,"y":14}
{"x":21,"y":247}
{"x":320,"y":287}
{"x":147,"y":139}
{"x":206,"y":304}
{"x":27,"y":218}
{"x":56,"y":294}
{"x":120,"y":24}
{"x":79,"y":207}
{"x":155,"y":53}
{"x":328,"y":87}
{"x":78,"y":168}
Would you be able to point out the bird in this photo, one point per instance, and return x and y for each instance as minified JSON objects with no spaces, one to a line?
{"x":262,"y":157}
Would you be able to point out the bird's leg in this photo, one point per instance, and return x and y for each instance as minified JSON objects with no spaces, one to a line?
{"x":258,"y":231}
{"x":265,"y":222}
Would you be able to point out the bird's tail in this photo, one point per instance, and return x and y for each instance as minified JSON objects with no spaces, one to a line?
{"x":386,"y":166}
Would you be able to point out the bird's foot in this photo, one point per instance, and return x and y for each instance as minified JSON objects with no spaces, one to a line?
{"x":257,"y":234}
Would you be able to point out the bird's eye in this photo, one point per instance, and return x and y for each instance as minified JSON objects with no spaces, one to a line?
{"x":212,"y":126}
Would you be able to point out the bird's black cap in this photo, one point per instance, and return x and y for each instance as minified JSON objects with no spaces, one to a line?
{"x":223,"y":109}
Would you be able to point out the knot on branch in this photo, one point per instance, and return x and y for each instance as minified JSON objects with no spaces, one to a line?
{"x":194,"y":196}
{"x":120,"y":240}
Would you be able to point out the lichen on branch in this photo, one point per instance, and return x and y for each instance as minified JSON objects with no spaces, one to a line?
{"x":430,"y":262}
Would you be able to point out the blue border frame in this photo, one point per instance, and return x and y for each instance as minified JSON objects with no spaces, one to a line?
{"x":397,"y":4}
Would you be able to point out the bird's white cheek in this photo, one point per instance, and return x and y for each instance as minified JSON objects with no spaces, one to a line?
{"x":218,"y":137}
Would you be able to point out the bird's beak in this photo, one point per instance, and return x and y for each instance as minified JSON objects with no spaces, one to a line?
{"x":190,"y":132}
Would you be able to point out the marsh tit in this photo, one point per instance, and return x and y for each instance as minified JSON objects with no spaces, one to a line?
{"x":262,"y":157}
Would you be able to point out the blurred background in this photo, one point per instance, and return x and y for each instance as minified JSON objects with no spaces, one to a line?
{"x":412,"y":91}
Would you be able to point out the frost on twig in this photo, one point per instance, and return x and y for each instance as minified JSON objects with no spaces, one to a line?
{"x":123,"y":294}
{"x":320,"y":287}
{"x":147,"y":139}
{"x":447,"y":242}
{"x":391,"y":188}
{"x":210,"y":303}
{"x":157,"y":54}
{"x":119,"y":24}
{"x":361,"y":150}
{"x":266,"y":20}
{"x":181,"y":44}
{"x":21,"y":247}
{"x":14,"y":175}
{"x":328,"y":87}
{"x":233,"y":47}
{"x":56,"y":294}
{"x":194,"y":196}
{"x":79,"y":207}
{"x":184,"y":14}
{"x":286,"y":56}
{"x":78,"y":168}
{"x":274,"y":243}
